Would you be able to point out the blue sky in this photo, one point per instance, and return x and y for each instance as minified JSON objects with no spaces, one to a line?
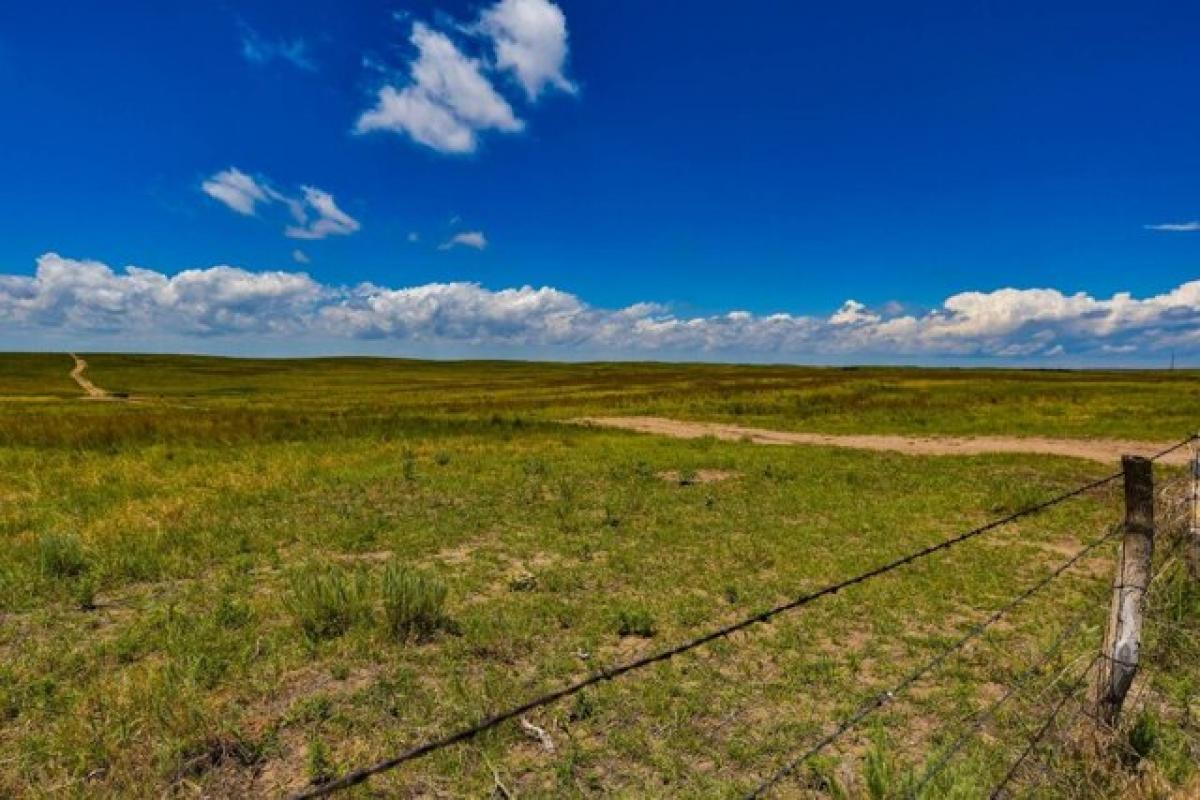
{"x":767,"y":158}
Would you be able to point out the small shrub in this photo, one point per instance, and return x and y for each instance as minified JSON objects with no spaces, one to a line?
{"x":61,"y":556}
{"x":413,"y":602}
{"x":327,"y":601}
{"x":635,"y":622}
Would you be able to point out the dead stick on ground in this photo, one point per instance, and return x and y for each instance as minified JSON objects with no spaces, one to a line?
{"x":538,"y":733}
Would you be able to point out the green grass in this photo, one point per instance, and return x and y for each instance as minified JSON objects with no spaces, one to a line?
{"x":328,"y":601}
{"x":267,"y":572}
{"x":413,"y":602}
{"x":230,"y":401}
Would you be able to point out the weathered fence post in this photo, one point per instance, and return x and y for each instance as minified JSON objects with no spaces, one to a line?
{"x":1123,"y":640}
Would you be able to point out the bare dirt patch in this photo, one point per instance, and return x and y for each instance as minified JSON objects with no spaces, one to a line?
{"x":459,"y":554}
{"x":1108,"y":451}
{"x":370,"y":557}
{"x":686,"y":478}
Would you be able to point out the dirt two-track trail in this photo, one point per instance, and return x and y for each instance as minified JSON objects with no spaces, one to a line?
{"x":90,"y":389}
{"x":1108,"y":451}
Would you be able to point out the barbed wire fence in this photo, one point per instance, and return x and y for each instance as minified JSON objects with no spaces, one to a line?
{"x":1123,"y":637}
{"x":1183,"y":529}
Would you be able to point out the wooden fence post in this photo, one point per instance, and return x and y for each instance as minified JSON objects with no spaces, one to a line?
{"x":1119,"y":661}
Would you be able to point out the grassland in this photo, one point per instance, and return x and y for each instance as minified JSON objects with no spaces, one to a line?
{"x":233,"y":586}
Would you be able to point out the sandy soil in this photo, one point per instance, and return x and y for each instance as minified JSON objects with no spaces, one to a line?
{"x":1108,"y":451}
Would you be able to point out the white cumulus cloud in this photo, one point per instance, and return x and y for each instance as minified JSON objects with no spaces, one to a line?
{"x":88,"y":298}
{"x":447,"y":101}
{"x":852,"y":312}
{"x":529,"y":38}
{"x":463,"y":312}
{"x":450,"y":97}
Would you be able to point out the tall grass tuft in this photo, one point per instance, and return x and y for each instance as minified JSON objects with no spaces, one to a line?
{"x":321,"y":767}
{"x":61,"y":556}
{"x":413,"y":602}
{"x":328,"y":600}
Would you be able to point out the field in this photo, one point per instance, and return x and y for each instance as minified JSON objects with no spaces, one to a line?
{"x":228,"y":581}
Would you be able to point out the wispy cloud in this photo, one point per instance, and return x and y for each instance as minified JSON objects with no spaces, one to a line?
{"x":258,"y":50}
{"x":300,"y":257}
{"x":237,"y":190}
{"x":1175,"y":226}
{"x":450,"y":97}
{"x":68,"y":296}
{"x":472,"y":239}
{"x":315,"y":213}
{"x":329,"y":220}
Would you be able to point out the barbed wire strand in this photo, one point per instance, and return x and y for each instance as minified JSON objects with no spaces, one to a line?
{"x":883,"y":699}
{"x":1184,"y":443}
{"x":981,"y":718}
{"x":365,"y":773}
{"x":1044,"y":771}
{"x":1145,"y":669}
{"x":1041,"y":732}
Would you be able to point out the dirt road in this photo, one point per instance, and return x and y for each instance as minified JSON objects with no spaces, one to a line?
{"x":1105,"y":450}
{"x":92,"y":391}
